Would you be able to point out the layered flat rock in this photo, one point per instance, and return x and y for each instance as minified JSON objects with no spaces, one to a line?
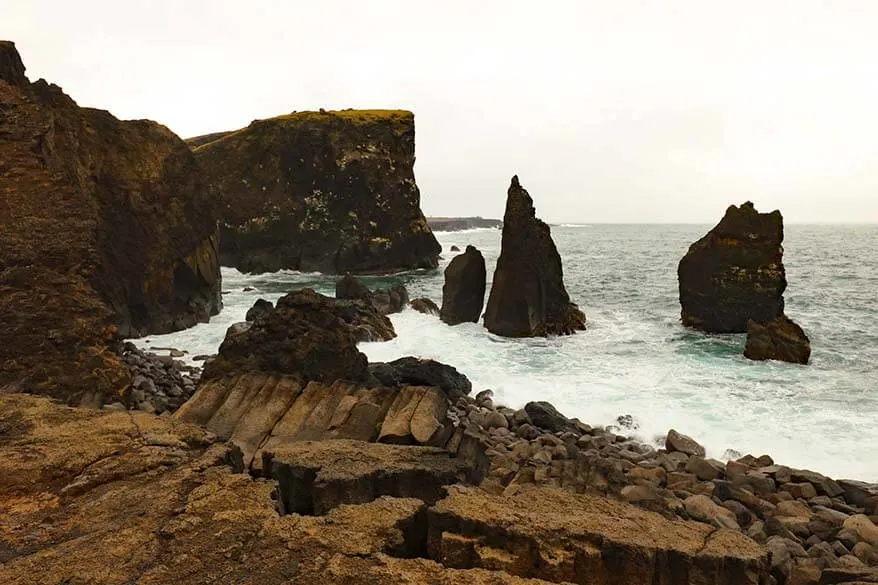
{"x":735,"y":273}
{"x":463,"y":294}
{"x":528,"y":297}
{"x":780,"y":339}
{"x":563,"y":537}
{"x":327,"y":191}
{"x":106,"y":230}
{"x":316,"y":477}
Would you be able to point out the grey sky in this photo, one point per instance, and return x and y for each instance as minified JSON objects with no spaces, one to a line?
{"x":608,"y":110}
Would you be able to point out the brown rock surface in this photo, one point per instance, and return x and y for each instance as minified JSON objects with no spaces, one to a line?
{"x":463,"y":294}
{"x":105,"y":227}
{"x":734,"y":273}
{"x":327,"y":191}
{"x":528,"y":297}
{"x":562,"y":537}
{"x":779,"y":339}
{"x":425,"y":306}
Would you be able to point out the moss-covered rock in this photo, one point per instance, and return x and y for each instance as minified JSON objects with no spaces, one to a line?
{"x":327,"y":191}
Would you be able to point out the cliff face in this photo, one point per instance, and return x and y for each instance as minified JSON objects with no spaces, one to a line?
{"x":327,"y":191}
{"x":734,"y":273}
{"x":528,"y":297}
{"x":105,"y":228}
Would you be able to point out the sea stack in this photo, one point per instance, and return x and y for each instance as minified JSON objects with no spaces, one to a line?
{"x":735,"y":273}
{"x":327,"y":191}
{"x":463,"y":294}
{"x":106,"y":231}
{"x":780,"y":339}
{"x":528,"y":298}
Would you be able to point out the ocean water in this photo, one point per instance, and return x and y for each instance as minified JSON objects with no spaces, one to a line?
{"x":636,"y":358}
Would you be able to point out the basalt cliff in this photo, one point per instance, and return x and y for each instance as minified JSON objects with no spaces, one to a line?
{"x":106,"y":230}
{"x":327,"y":191}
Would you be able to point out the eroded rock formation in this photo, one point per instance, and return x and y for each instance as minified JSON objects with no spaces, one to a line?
{"x":734,"y":273}
{"x":463,"y":294}
{"x":106,"y":230}
{"x":527,"y":296}
{"x":779,"y":339}
{"x":385,"y":300}
{"x":327,"y":191}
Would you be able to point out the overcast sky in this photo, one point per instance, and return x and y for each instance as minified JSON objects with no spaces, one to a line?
{"x":609,"y":111}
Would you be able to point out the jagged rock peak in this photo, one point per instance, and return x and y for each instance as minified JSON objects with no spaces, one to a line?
{"x":527,"y":296}
{"x":11,"y":65}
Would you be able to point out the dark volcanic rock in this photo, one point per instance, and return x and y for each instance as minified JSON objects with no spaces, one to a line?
{"x":106,"y":230}
{"x":421,"y":372}
{"x":780,"y":339}
{"x":463,"y":294}
{"x":425,"y":306}
{"x":547,"y":417}
{"x":260,"y":307}
{"x":456,"y":224}
{"x":385,"y":301}
{"x":735,"y":273}
{"x":307,"y":335}
{"x":327,"y":191}
{"x":528,"y":297}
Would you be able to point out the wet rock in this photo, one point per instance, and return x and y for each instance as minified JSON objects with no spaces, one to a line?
{"x":425,"y":306}
{"x":320,"y":191}
{"x":546,"y":416}
{"x":678,"y":442}
{"x":463,"y":294}
{"x":259,"y":309}
{"x":735,"y":273}
{"x":779,"y":339}
{"x":385,"y":301}
{"x":414,"y":371}
{"x":527,"y":296}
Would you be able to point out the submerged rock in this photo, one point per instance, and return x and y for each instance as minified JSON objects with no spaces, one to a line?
{"x":327,"y":191}
{"x":528,"y":297}
{"x":735,"y":273}
{"x":779,"y":339}
{"x":463,"y":294}
{"x":106,"y":230}
{"x":425,"y":306}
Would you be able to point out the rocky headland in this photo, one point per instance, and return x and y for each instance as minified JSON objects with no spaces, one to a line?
{"x":106,"y":230}
{"x":320,"y":191}
{"x":457,"y":224}
{"x":528,"y":297}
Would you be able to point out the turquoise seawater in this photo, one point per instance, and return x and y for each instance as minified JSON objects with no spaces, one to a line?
{"x":636,"y":358}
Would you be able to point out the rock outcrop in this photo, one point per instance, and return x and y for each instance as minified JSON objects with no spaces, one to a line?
{"x":106,"y":230}
{"x":425,"y":306}
{"x":463,"y":294}
{"x":385,"y":300}
{"x":143,"y":499}
{"x":779,"y":339}
{"x":735,"y":273}
{"x":528,"y":297}
{"x":327,"y":191}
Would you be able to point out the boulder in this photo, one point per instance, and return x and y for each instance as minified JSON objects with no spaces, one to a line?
{"x":421,"y":372}
{"x":107,"y":230}
{"x":463,"y":294}
{"x":327,"y":191}
{"x":546,"y":416}
{"x":735,"y":273}
{"x":780,"y":339}
{"x":684,"y":444}
{"x":425,"y":306}
{"x":528,"y":297}
{"x":260,"y":308}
